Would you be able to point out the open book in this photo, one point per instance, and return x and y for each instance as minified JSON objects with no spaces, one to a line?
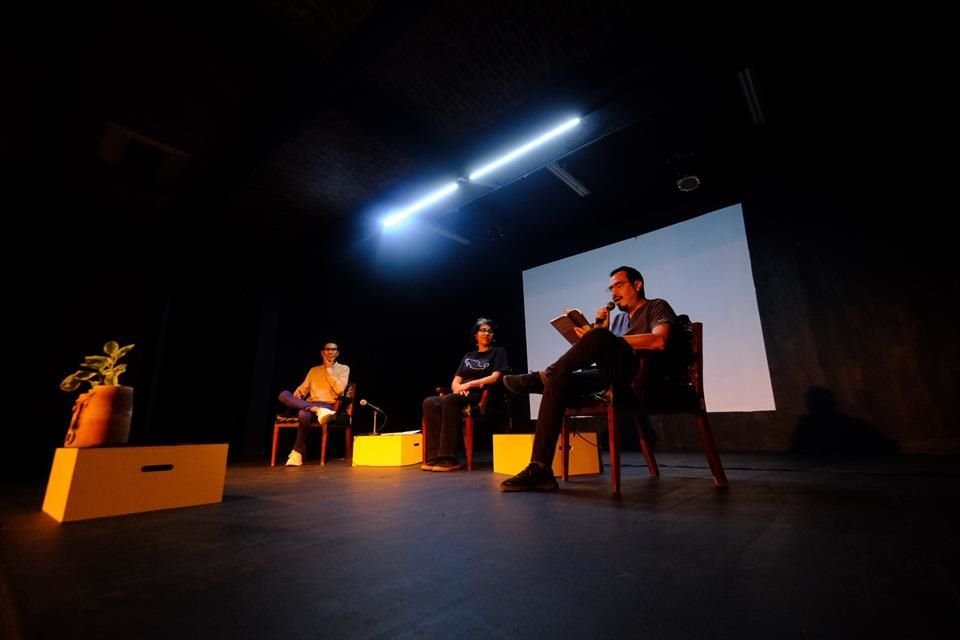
{"x":568,"y":321}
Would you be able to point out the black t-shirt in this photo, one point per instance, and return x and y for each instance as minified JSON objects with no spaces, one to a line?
{"x":480,"y":364}
{"x":644,"y":319}
{"x":662,"y":367}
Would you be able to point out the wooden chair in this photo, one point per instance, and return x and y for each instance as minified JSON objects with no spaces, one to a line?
{"x":342,"y":420}
{"x":617,"y":403}
{"x":492,"y":401}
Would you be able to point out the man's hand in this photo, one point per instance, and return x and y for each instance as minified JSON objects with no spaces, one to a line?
{"x":602,"y":318}
{"x":581,"y":331}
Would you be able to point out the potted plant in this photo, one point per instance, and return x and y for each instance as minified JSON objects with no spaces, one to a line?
{"x":102,"y":414}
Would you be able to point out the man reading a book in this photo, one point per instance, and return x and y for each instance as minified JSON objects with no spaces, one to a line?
{"x":600,"y":358}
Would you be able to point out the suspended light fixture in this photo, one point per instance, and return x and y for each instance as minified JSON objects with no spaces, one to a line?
{"x":398,"y":217}
{"x":519,"y":151}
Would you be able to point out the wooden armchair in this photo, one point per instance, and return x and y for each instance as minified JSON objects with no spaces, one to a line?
{"x":643,"y":400}
{"x":342,"y":419}
{"x":492,"y":403}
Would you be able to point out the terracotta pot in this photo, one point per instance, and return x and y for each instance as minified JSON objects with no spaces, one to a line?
{"x":101,"y":416}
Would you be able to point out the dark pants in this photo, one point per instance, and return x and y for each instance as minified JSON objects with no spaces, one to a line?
{"x":306,"y":419}
{"x":442,"y":415}
{"x":569,"y":377}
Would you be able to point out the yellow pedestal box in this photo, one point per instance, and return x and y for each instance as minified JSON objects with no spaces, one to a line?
{"x":511,"y":454}
{"x":386,"y":450}
{"x":112,"y":481}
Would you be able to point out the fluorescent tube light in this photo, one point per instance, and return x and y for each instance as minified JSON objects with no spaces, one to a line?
{"x":403,"y":214}
{"x":522,"y":150}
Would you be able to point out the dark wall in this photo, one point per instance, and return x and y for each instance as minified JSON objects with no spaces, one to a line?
{"x":856,"y":312}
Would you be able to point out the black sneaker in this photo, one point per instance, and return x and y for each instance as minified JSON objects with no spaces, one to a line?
{"x":526,"y":383}
{"x":429,"y":464}
{"x":533,"y":478}
{"x":446,"y":464}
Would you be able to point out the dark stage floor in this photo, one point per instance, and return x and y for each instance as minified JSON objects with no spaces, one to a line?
{"x":795,"y":548}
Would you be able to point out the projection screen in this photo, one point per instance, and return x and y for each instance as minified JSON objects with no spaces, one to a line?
{"x":702,"y":268}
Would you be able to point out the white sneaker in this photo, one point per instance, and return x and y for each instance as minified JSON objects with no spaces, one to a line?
{"x":294,"y":459}
{"x":324,"y":415}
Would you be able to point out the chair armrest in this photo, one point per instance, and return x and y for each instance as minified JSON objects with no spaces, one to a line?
{"x":484,"y":400}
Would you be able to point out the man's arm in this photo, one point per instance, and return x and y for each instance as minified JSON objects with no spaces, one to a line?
{"x":656,"y":340}
{"x":457,"y":387}
{"x":303,"y":391}
{"x":479,"y":382}
{"x":340,"y":380}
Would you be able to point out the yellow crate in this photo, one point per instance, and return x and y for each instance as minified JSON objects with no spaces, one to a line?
{"x":386,"y":450}
{"x":511,"y":453}
{"x":111,"y":481}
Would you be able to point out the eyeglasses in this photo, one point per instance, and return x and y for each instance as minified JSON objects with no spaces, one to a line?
{"x":327,"y":349}
{"x":484,"y":330}
{"x":617,"y":285}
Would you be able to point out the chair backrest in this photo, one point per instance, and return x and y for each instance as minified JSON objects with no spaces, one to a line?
{"x":345,"y":405}
{"x":695,"y":367}
{"x":673,"y":380}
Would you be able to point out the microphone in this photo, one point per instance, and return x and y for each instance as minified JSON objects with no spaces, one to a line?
{"x":600,"y":321}
{"x":364,"y":403}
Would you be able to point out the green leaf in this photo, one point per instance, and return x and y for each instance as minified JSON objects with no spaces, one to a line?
{"x":70,"y":383}
{"x":95,"y":361}
{"x":122,"y":352}
{"x":86,"y":376}
{"x":120,"y":368}
{"x":111,"y":347}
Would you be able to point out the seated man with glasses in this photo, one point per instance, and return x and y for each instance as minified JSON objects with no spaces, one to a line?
{"x":316,"y":398}
{"x":442,"y":414}
{"x":643,"y":326}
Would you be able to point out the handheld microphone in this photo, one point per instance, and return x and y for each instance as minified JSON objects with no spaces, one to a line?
{"x":600,"y":321}
{"x":364,"y":403}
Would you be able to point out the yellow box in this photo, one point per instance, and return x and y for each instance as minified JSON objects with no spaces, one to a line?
{"x":511,"y":453}
{"x":112,"y":481}
{"x":386,"y":450}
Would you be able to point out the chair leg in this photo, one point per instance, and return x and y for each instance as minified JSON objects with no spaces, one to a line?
{"x":468,"y":440}
{"x":613,"y":429}
{"x":423,"y":442}
{"x":710,"y":448}
{"x":273,"y":452}
{"x":323,"y":447}
{"x":348,"y":445}
{"x":647,"y":451}
{"x":565,"y":450}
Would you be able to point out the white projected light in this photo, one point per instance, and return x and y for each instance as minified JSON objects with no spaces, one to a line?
{"x":403,"y":214}
{"x":702,"y":268}
{"x":516,"y":153}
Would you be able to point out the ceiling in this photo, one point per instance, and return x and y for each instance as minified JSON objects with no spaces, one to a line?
{"x":333,"y":111}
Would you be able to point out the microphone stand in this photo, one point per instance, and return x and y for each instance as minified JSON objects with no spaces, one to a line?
{"x":376,"y":410}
